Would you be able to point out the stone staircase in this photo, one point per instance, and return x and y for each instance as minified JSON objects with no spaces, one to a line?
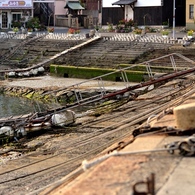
{"x":29,"y":50}
{"x":166,"y":62}
{"x":106,"y":52}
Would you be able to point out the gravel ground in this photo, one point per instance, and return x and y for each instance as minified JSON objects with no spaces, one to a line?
{"x":55,"y":142}
{"x":59,"y":82}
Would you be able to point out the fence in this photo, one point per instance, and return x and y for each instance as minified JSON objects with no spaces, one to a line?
{"x":76,"y":22}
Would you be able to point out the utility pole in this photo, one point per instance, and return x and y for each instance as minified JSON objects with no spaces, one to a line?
{"x":101,"y":5}
{"x":174,"y":19}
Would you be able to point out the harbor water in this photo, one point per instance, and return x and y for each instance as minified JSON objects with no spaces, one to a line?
{"x":14,"y":106}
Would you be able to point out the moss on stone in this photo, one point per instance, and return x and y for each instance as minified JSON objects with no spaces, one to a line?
{"x":88,"y":73}
{"x":30,"y":95}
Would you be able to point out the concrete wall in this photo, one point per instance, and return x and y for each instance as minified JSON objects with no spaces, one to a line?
{"x":59,"y":7}
{"x":128,"y":13}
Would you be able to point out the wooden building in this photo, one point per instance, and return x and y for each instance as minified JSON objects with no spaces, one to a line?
{"x":154,"y":12}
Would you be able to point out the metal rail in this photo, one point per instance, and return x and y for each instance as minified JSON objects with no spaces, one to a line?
{"x":104,"y":95}
{"x":98,"y":135}
{"x":80,"y":100}
{"x":125,"y":80}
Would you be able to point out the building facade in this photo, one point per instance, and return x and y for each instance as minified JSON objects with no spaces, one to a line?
{"x":190,"y":20}
{"x":88,"y":12}
{"x":93,"y":8}
{"x":45,"y":11}
{"x":13,"y":11}
{"x":154,"y":12}
{"x":48,"y":11}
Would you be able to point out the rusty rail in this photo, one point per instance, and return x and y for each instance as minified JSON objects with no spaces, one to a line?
{"x":150,"y":82}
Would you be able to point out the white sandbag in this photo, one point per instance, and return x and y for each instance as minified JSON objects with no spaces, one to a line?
{"x":11,"y":74}
{"x":41,"y":69}
{"x":34,"y":71}
{"x":21,"y":131}
{"x":7,"y":130}
{"x":63,"y":119}
{"x":20,"y":74}
{"x":26,"y":74}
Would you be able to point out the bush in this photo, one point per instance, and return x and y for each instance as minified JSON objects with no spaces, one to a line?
{"x":126,"y":22}
{"x":33,"y":23}
{"x":15,"y":29}
{"x":138,"y":31}
{"x":17,"y":24}
{"x":165,"y":32}
{"x":165,"y":23}
{"x":110,"y":27}
{"x":190,"y":33}
{"x":73,"y":31}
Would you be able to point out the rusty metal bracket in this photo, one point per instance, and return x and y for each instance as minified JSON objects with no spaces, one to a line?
{"x":150,"y":186}
{"x":148,"y":129}
{"x":122,"y":145}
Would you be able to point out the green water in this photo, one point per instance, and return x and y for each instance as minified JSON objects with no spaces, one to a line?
{"x":13,"y":106}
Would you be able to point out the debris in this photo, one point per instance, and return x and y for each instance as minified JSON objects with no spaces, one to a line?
{"x":65,"y":118}
{"x":187,"y":43}
{"x":12,"y":155}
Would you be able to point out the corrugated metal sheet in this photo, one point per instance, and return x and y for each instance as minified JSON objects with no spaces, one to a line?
{"x":74,"y":5}
{"x":124,"y":2}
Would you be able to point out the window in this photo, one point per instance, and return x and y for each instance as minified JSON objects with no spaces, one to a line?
{"x":4,"y":20}
{"x":191,"y":11}
{"x":16,"y":17}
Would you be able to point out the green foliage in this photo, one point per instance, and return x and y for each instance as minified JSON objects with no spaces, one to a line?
{"x":150,"y":30}
{"x":138,"y":31}
{"x":82,"y":2}
{"x":125,"y":25}
{"x":165,"y":32}
{"x":126,"y":22}
{"x":110,"y":27}
{"x":33,"y":23}
{"x":135,"y":74}
{"x":17,"y":24}
{"x":30,"y":30}
{"x":15,"y":29}
{"x":190,"y":33}
{"x":165,"y":23}
{"x":97,"y":27}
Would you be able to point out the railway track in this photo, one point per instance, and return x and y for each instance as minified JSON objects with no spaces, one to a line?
{"x":59,"y":152}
